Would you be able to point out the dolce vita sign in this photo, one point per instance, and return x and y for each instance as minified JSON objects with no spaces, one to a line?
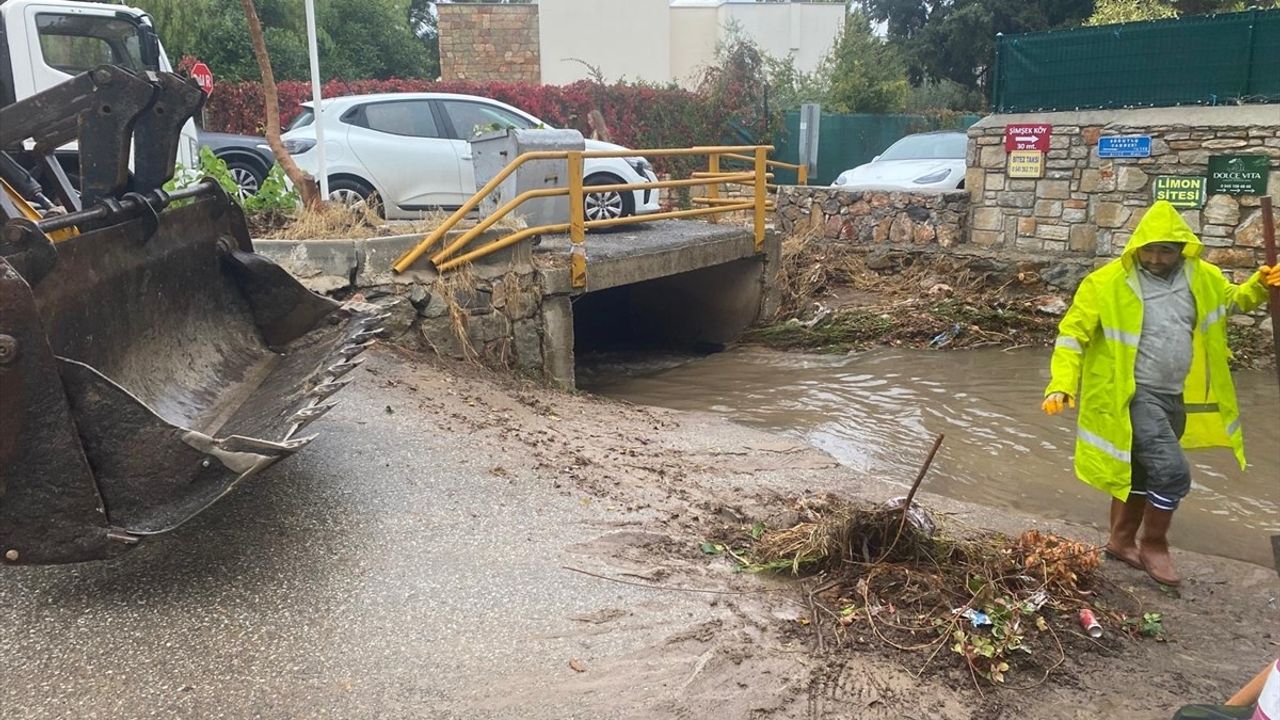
{"x":1238,"y":174}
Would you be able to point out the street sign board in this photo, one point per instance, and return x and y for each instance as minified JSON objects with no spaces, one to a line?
{"x":1182,"y":191}
{"x":1025,"y":164}
{"x":1124,"y":146}
{"x":203,"y":77}
{"x":1238,"y":174}
{"x":1032,"y":136}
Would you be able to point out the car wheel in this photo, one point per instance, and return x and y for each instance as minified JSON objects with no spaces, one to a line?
{"x":247,"y":175}
{"x":354,"y":194}
{"x":608,"y":205}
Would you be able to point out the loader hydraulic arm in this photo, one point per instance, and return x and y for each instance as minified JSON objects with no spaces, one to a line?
{"x":107,"y":110}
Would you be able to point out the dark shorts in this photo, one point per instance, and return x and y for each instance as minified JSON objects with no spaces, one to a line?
{"x":1160,"y":469}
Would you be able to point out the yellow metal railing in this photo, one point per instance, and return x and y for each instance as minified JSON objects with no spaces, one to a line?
{"x":756,"y":178}
{"x":714,"y":170}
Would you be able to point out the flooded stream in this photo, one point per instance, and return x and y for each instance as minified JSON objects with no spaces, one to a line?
{"x":878,"y":411}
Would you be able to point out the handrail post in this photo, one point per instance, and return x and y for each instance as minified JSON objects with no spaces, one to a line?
{"x":577,"y":223}
{"x":713,"y":188}
{"x":762,"y":157}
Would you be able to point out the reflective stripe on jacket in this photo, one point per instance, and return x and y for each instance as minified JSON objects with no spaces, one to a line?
{"x":1098,"y":342}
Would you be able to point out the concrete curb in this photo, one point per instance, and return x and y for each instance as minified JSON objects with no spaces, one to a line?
{"x":329,"y":265}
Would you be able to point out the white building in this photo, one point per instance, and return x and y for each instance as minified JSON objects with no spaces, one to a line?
{"x":663,"y":41}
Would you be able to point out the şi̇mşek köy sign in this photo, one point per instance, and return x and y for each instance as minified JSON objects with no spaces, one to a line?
{"x":1028,"y":136}
{"x":1238,"y":174}
{"x":1182,"y":191}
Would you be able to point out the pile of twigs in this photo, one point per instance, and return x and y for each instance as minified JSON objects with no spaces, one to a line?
{"x":998,"y":603}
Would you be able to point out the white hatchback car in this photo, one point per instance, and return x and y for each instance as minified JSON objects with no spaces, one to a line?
{"x":412,"y":151}
{"x":925,"y":161}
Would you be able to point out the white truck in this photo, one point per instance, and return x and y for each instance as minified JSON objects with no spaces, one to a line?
{"x":47,"y":42}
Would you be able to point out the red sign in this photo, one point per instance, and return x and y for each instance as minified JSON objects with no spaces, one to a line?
{"x":203,"y":77}
{"x":1027,"y":137}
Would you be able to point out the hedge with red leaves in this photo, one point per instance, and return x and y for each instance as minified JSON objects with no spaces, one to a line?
{"x":638,"y":116}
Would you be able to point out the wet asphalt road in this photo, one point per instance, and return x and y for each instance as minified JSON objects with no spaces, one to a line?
{"x":380,"y":573}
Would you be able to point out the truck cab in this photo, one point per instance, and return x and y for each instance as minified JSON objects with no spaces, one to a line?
{"x":46,"y":42}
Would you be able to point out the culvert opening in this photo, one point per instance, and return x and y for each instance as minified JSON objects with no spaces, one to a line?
{"x":649,"y":325}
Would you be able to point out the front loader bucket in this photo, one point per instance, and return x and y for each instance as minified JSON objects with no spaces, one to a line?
{"x":146,"y":368}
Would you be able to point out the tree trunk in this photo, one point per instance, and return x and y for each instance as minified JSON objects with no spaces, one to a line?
{"x":305,"y":183}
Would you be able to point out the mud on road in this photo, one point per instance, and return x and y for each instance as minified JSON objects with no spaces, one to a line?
{"x":411,"y":564}
{"x":673,"y":479}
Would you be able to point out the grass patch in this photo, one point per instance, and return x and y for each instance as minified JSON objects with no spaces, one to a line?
{"x":331,"y":220}
{"x":839,"y":332}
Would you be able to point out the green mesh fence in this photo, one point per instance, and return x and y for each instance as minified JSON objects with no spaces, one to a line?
{"x":846,"y":141}
{"x":1209,"y":60}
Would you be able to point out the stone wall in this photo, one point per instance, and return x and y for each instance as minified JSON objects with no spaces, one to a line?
{"x":874,"y":217}
{"x":1089,"y":206}
{"x":485,"y":42}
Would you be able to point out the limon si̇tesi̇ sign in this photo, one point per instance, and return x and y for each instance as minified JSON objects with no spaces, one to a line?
{"x":1181,"y":191}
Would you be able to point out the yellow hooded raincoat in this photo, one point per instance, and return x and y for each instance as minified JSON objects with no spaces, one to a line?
{"x":1098,"y":343}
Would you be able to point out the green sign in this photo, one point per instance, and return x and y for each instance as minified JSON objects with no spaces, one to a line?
{"x":1182,"y":191}
{"x":1238,"y":174}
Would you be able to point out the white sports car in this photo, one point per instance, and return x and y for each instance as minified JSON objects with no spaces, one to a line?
{"x":411,"y":151}
{"x":927,"y":161}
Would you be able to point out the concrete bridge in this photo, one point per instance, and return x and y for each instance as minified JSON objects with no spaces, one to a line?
{"x":668,"y":283}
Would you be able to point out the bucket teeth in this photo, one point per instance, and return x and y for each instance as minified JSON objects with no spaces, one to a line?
{"x":324,"y":390}
{"x":240,"y":443}
{"x":311,"y":412}
{"x":351,"y":350}
{"x":337,"y":370}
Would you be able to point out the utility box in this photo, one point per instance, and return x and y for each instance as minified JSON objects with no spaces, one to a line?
{"x":493,"y":151}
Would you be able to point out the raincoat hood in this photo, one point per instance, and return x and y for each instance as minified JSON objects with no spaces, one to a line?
{"x":1162,"y":223}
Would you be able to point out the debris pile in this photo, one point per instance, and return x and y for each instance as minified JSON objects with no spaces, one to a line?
{"x":841,"y":297}
{"x":835,"y":298}
{"x":886,"y":576}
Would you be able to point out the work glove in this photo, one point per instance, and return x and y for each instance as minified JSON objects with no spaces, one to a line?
{"x":1270,"y":275}
{"x":1055,"y":402}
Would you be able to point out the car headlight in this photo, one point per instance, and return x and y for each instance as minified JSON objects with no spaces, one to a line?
{"x":933,"y":177}
{"x":299,"y":146}
{"x":641,"y":166}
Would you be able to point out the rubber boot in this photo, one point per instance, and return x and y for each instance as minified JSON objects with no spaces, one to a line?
{"x":1154,"y":546}
{"x":1126,"y":517}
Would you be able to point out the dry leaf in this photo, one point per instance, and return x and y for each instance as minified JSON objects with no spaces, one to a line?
{"x":577,"y":665}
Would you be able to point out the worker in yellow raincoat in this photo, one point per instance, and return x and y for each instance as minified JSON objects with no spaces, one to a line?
{"x":1143,"y":352}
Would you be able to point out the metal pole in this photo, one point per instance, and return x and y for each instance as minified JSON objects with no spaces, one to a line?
{"x":314,"y":54}
{"x":1248,"y":63}
{"x":713,"y":189}
{"x":762,"y":159}
{"x":577,"y":224}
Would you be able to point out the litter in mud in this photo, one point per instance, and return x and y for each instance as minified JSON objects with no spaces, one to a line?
{"x":1000,"y":605}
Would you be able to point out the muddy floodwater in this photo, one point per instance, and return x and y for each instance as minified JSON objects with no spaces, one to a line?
{"x":878,"y":411}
